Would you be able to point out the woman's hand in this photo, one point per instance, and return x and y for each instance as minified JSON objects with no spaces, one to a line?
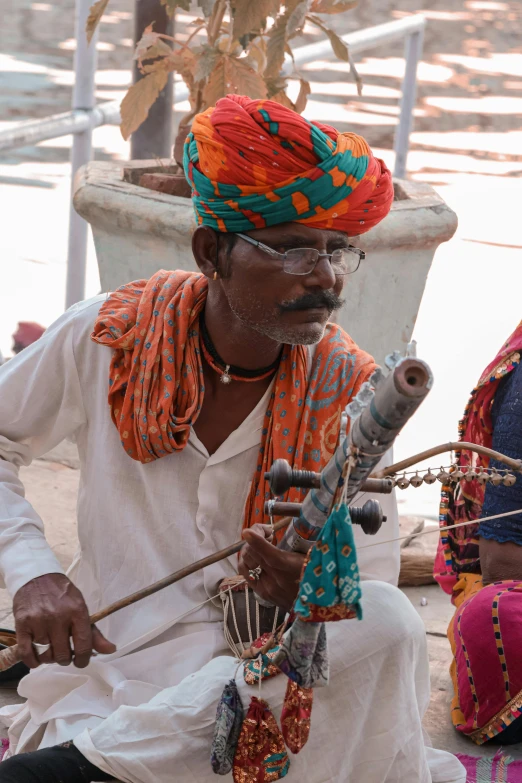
{"x":280,"y":571}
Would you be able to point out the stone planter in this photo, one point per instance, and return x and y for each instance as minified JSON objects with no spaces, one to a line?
{"x":138,"y":231}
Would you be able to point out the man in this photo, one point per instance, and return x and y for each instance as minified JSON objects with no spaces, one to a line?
{"x":210,"y":378}
{"x":27,"y":332}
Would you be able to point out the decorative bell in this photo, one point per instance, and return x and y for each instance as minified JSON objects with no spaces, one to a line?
{"x":457,"y":474}
{"x":429,"y":477}
{"x":403,"y":482}
{"x":482,"y":476}
{"x":416,"y":480}
{"x":496,"y":478}
{"x":444,"y":477}
{"x":509,"y":479}
{"x":471,"y":474}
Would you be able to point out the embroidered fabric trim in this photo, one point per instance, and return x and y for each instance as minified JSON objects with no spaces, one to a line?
{"x":501,"y":721}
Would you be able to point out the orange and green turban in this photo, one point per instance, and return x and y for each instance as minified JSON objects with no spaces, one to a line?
{"x":254,"y":163}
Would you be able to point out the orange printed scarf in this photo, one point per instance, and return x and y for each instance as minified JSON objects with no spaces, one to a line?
{"x":156,"y":384}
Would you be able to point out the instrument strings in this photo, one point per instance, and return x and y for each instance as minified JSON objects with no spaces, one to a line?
{"x":441,"y":529}
{"x":378,"y":543}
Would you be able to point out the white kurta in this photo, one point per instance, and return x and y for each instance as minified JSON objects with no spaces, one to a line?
{"x":146,"y":712}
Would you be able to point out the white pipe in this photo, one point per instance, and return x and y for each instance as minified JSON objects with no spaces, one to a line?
{"x":360,"y":41}
{"x":85,"y":64}
{"x":413,"y":54}
{"x":30,"y":132}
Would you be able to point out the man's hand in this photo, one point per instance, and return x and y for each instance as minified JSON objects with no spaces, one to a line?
{"x":280,"y":571}
{"x":51,"y":610}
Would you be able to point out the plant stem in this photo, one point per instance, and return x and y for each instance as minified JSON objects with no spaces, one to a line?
{"x":216,"y":20}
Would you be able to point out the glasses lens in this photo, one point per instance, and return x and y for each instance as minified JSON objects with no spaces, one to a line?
{"x":345,"y":261}
{"x":300,"y":261}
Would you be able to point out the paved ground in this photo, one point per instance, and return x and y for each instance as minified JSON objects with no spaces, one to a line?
{"x":466,"y":143}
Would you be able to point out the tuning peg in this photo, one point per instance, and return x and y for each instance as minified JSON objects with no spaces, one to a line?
{"x":429,"y":477}
{"x":354,"y":409}
{"x":443,"y":476}
{"x":509,"y":479}
{"x":496,"y":478}
{"x":376,"y":377}
{"x":393,"y":359}
{"x":343,"y":430}
{"x":416,"y":480}
{"x":403,"y":482}
{"x":366,"y":394}
{"x":411,"y":349}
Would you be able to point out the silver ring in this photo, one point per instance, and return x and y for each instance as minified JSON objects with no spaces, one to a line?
{"x":41,"y":648}
{"x":255,"y":573}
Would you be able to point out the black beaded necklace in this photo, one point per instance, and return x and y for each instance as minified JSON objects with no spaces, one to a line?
{"x":229,"y":372}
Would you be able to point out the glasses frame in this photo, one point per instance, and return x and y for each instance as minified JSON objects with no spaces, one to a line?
{"x":283,"y":256}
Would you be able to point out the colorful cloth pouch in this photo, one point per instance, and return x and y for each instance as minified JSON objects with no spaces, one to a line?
{"x":303,"y":655}
{"x":229,"y":717}
{"x":296,"y":715}
{"x":329,"y":590}
{"x":330,"y":587}
{"x":262,"y":664}
{"x":261,"y":754}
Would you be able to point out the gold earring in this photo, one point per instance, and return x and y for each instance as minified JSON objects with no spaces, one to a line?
{"x":215,"y":275}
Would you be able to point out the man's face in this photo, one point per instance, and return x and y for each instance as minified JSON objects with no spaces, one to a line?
{"x":287,"y":308}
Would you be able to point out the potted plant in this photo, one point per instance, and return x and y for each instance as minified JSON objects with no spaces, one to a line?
{"x":244,"y":48}
{"x":138,"y":230}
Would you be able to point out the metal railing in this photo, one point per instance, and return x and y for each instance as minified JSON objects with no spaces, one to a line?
{"x":85,"y":115}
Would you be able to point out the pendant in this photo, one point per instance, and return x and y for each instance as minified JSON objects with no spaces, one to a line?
{"x":226,"y":378}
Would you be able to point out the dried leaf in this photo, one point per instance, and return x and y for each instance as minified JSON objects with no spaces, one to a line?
{"x":340,"y":50}
{"x":275,"y":53}
{"x":289,"y":52}
{"x":151,"y":46}
{"x":332,"y":6}
{"x":355,"y":75}
{"x":275,"y":85}
{"x":249,"y":16}
{"x":161,"y":49}
{"x":184,"y":61}
{"x":338,"y":45}
{"x":171,"y":5}
{"x":233,"y":75}
{"x":282,"y":98}
{"x":257,"y":54}
{"x":140,"y":97}
{"x":302,"y":98}
{"x":297,"y":18}
{"x":96,"y":12}
{"x":206,"y":62}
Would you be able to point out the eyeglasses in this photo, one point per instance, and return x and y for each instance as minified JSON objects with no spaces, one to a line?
{"x":303,"y":260}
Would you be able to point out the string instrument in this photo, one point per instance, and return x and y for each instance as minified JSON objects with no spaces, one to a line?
{"x":376,"y":416}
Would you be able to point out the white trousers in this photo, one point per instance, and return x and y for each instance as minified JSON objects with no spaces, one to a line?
{"x":366,"y":725}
